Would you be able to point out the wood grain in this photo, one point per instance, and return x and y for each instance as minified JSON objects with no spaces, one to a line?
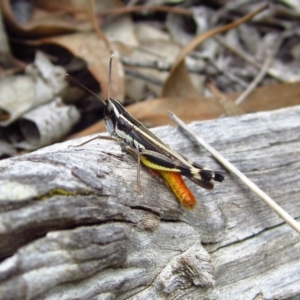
{"x":72,"y":225}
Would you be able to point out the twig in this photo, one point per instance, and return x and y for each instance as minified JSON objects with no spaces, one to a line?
{"x":140,"y":75}
{"x":256,"y":80}
{"x":229,"y":75}
{"x":237,"y":51}
{"x":215,"y":68}
{"x":144,"y":8}
{"x":282,"y":213}
{"x":160,"y":65}
{"x":268,"y":61}
{"x":251,"y":60}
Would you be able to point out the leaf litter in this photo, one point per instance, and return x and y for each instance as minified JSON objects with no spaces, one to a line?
{"x":200,"y":61}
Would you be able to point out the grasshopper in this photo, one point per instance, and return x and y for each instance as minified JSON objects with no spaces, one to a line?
{"x":154,"y":153}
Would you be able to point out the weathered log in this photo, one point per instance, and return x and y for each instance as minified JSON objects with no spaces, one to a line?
{"x":73,"y":226}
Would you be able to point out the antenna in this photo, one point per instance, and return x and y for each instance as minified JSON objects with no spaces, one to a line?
{"x":109,"y":75}
{"x":84,"y":87}
{"x":109,"y":82}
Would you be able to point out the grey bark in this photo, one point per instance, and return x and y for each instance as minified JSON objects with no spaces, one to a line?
{"x":72,"y":225}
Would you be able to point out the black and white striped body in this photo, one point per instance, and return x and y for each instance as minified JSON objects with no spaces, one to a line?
{"x":121,"y":125}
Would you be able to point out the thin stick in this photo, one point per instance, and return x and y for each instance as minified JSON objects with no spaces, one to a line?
{"x":256,"y":80}
{"x":268,"y":61}
{"x":282,"y":213}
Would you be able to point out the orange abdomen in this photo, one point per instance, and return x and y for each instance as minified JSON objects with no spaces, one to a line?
{"x":179,"y":188}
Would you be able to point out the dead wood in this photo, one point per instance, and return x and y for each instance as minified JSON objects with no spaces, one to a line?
{"x":72,"y":225}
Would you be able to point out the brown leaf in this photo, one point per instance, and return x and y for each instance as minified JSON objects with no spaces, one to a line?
{"x":45,"y":22}
{"x":180,"y":84}
{"x":96,"y":53}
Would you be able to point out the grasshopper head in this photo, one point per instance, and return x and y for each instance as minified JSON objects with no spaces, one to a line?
{"x":112,"y":112}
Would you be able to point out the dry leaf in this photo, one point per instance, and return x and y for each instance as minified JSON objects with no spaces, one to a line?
{"x":95,"y":52}
{"x":21,"y":93}
{"x":47,"y":124}
{"x":44,"y":22}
